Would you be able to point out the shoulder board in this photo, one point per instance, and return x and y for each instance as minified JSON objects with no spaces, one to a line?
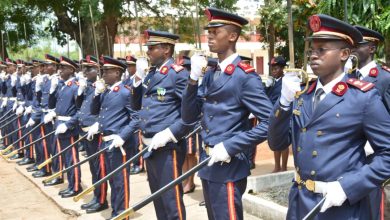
{"x":360,"y":84}
{"x":386,"y":68}
{"x":230,"y":69}
{"x":247,"y":68}
{"x":128,"y":87}
{"x":177,"y":68}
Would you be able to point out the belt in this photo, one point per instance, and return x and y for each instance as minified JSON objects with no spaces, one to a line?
{"x":108,"y":137}
{"x":12,"y":99}
{"x":45,"y":110}
{"x":63,"y":118}
{"x":21,"y":102}
{"x":311,"y":185}
{"x":85,"y":129}
{"x":146,"y":141}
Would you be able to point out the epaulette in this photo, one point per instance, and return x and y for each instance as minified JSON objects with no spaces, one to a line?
{"x":386,"y":68}
{"x":246,"y":67}
{"x":177,"y":68}
{"x":229,"y":69}
{"x":360,"y":84}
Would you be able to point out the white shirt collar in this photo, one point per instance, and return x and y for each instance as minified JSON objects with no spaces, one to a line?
{"x":328,"y":87}
{"x":227,"y":61}
{"x":115,"y":84}
{"x":366,"y":69}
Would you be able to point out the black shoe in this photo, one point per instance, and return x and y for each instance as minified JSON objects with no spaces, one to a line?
{"x":32,"y":168}
{"x":89,"y":204}
{"x":16,"y":156}
{"x":26,"y":161}
{"x":97,"y":207}
{"x":22,"y":160}
{"x":56,"y":181}
{"x":203,"y":203}
{"x":71,"y":193}
{"x":252,"y":166}
{"x":40,"y":173}
{"x":136,"y":170}
{"x":191,"y":190}
{"x":61,"y":192}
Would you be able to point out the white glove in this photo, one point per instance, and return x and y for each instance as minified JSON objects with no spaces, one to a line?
{"x":100,"y":87}
{"x":142,"y":67}
{"x":335,"y":195}
{"x":53,"y":84}
{"x":27,"y":77}
{"x":218,"y":153}
{"x":22,"y":80}
{"x":49,"y":117}
{"x":14,"y":78}
{"x":198,"y":64}
{"x":94,"y":129}
{"x":161,"y":139}
{"x":82,"y":86}
{"x":270,"y":81}
{"x":30,"y":123}
{"x":4,"y":103}
{"x":28,"y":110}
{"x":61,"y":129}
{"x":14,"y":106}
{"x":125,"y":75}
{"x":291,"y":84}
{"x":117,"y":141}
{"x":19,"y":110}
{"x":2,"y":75}
{"x":38,"y":83}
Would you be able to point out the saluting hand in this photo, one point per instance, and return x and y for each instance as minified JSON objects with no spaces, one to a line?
{"x":291,"y":84}
{"x":100,"y":87}
{"x":198,"y":64}
{"x":142,"y":66}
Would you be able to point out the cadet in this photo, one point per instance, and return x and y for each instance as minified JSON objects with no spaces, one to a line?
{"x":117,"y":122}
{"x":30,"y":93}
{"x":85,"y":119}
{"x":226,"y":98}
{"x":370,"y":71}
{"x":331,"y":123}
{"x":273,"y":92}
{"x":62,"y":99}
{"x":158,"y":100}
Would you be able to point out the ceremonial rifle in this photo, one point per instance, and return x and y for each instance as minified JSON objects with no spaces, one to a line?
{"x":60,"y":153}
{"x":118,"y":169}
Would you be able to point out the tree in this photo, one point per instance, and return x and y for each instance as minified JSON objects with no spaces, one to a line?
{"x":374,"y":14}
{"x":109,"y":16}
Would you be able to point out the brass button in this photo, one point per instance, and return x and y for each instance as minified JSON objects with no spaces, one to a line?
{"x":145,"y":96}
{"x":142,"y":107}
{"x":299,"y":149}
{"x":303,"y":129}
{"x":147,"y":108}
{"x":313,"y":173}
{"x":337,"y":115}
{"x":210,"y":116}
{"x":207,"y":130}
{"x":299,"y":187}
{"x":319,"y":133}
{"x":314,"y":153}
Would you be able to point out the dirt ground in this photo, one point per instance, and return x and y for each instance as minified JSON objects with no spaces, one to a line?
{"x":21,"y":199}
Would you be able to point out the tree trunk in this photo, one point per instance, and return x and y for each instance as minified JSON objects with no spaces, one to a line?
{"x":271,"y":41}
{"x":387,"y":51}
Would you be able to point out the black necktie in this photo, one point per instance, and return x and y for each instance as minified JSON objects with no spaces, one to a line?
{"x":217,"y":72}
{"x":317,"y":97}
